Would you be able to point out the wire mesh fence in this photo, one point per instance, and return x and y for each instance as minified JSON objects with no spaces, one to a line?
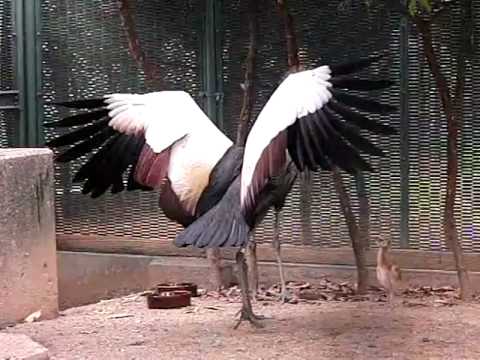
{"x":8,"y":117}
{"x":86,"y":53}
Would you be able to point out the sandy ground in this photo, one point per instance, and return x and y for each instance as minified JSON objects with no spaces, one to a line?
{"x":125,"y":328}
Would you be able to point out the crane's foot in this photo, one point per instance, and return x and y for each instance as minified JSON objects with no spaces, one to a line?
{"x":248,"y":315}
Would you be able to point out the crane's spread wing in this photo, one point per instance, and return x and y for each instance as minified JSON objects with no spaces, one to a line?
{"x":313,"y":117}
{"x":159,"y":138}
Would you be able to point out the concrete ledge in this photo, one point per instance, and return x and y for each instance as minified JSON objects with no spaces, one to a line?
{"x":187,"y":269}
{"x":89,"y":277}
{"x":85,"y":278}
{"x":21,"y":347}
{"x":28,"y":266}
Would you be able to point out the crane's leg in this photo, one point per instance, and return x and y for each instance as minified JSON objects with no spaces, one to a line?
{"x":246,"y":312}
{"x":252,"y":266}
{"x":284,"y":294}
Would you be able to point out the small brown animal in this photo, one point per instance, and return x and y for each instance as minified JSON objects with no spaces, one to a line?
{"x":388,"y":273}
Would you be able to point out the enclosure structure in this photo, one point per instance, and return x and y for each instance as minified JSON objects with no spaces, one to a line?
{"x":54,"y":51}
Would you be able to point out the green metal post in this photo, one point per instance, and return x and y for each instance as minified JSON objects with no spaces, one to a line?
{"x":218,"y":62}
{"x":20,"y":74}
{"x":212,"y":67}
{"x":404,"y":141}
{"x":27,"y":25}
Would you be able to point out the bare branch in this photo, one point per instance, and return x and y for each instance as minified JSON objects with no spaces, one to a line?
{"x":292,"y":47}
{"x":424,"y":27}
{"x":248,"y":85}
{"x":134,"y":46}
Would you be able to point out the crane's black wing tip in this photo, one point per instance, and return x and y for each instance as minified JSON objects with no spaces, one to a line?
{"x":350,"y":67}
{"x":81,"y":103}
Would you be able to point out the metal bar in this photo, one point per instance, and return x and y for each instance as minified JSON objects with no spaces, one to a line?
{"x":404,"y":141}
{"x":27,"y":71}
{"x":31,"y":66}
{"x":209,"y":60}
{"x":212,"y":76}
{"x":218,"y":63}
{"x":9,"y":107}
{"x":38,"y":71}
{"x":21,"y":139}
{"x":8,"y":92}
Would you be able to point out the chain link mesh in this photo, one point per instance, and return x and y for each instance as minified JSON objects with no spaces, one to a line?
{"x":85,"y":54}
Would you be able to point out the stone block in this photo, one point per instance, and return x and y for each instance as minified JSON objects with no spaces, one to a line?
{"x":28,"y":265}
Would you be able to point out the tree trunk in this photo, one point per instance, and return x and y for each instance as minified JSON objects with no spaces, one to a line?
{"x":306,"y":207}
{"x":245,"y":124}
{"x":357,"y":245}
{"x":454,"y":113}
{"x":215,"y":262}
{"x":126,"y":13}
{"x":364,"y":211}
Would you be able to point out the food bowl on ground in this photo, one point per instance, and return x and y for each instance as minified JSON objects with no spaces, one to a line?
{"x":177,"y":286}
{"x":169,"y":299}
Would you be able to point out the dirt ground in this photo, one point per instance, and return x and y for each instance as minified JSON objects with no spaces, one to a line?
{"x":124,"y":328}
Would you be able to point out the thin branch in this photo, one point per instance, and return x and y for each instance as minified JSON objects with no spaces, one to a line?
{"x":425,"y":30}
{"x":134,"y":46}
{"x":249,"y":85}
{"x":292,"y":47}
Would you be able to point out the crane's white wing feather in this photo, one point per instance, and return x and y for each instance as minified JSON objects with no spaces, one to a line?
{"x":164,"y":138}
{"x":163,"y":116}
{"x":298,"y":95}
{"x":313,"y":116}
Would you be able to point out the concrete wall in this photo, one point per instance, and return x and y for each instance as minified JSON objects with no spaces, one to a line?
{"x":89,"y":277}
{"x":84,"y":278}
{"x":28,"y":266}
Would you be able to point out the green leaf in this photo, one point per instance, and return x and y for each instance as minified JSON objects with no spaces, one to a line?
{"x":426,"y":4}
{"x":412,"y":7}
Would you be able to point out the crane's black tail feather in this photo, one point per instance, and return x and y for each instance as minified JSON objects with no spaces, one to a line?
{"x":221,"y":226}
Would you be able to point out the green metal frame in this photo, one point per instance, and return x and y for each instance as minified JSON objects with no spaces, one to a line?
{"x":404,"y":142}
{"x":212,"y":75}
{"x":28,"y":71}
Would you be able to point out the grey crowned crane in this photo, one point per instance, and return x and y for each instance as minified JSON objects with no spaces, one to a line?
{"x":218,"y":191}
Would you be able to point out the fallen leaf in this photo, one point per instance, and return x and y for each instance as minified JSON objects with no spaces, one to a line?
{"x":137,"y":343}
{"x":120,"y":316}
